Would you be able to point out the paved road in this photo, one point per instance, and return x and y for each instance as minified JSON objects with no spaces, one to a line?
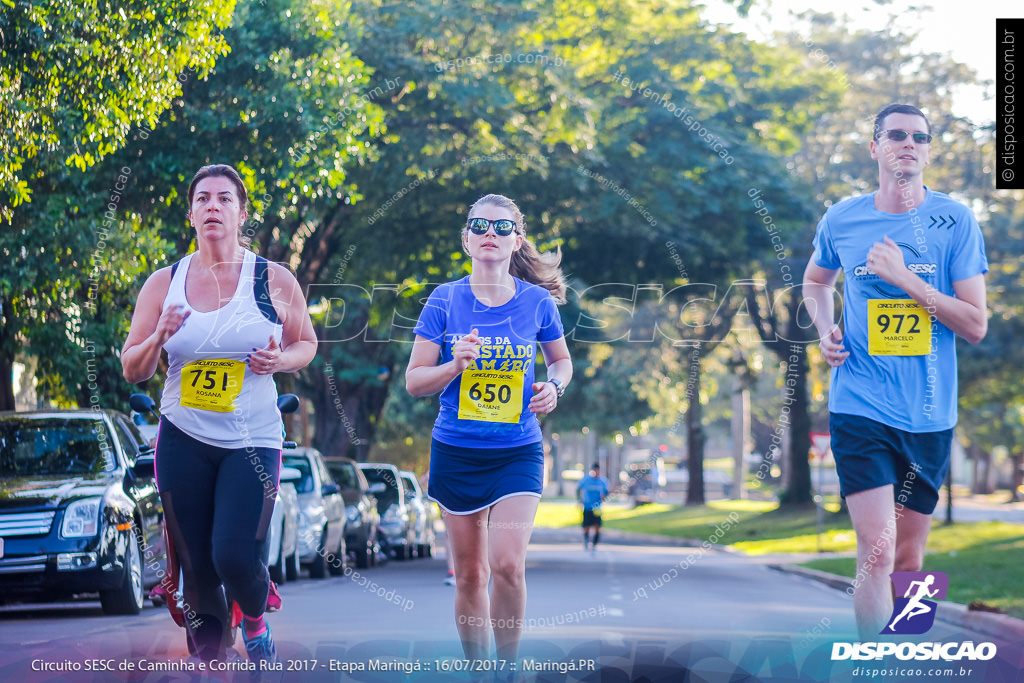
{"x":629,"y":611}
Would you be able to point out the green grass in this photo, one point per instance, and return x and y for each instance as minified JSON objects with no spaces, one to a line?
{"x":983,"y":559}
{"x":760,"y":527}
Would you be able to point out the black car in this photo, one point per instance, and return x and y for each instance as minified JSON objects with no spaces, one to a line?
{"x":79,"y":509}
{"x":363,"y":527}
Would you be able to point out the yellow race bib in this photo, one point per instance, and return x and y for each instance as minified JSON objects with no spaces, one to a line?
{"x":898,"y":327}
{"x":491,"y":396}
{"x":212,"y":384}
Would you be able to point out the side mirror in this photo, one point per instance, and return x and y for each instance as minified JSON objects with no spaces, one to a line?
{"x":141,"y":403}
{"x":287,"y":403}
{"x":290,"y":474}
{"x":329,"y":490}
{"x":145,"y":466}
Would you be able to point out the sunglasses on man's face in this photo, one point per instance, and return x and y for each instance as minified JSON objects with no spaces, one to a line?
{"x":503,"y":226}
{"x":901,"y":135}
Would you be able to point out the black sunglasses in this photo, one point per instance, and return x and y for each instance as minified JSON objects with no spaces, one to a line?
{"x":901,"y":135}
{"x":503,"y":226}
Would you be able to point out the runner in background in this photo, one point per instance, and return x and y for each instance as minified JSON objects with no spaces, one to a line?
{"x":476,"y":342}
{"x":913,"y":263}
{"x":591,"y":492}
{"x":228,"y":321}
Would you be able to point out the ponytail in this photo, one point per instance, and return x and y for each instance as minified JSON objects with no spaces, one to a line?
{"x":528,"y":264}
{"x":540,"y":269}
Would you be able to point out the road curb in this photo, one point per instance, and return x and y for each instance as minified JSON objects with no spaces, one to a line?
{"x":1001,"y":626}
{"x":619,"y":537}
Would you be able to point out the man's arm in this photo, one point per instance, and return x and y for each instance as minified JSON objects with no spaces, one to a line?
{"x":966,"y":314}
{"x":819,"y":290}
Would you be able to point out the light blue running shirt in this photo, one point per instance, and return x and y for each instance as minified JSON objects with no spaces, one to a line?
{"x":898,"y":372}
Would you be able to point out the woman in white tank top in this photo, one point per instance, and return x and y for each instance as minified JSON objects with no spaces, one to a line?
{"x":218,"y":450}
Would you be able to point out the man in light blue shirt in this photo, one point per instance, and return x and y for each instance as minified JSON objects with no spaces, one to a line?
{"x":591,"y":491}
{"x":913,"y":263}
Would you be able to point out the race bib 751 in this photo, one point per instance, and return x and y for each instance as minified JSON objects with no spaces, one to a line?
{"x":212,"y":384}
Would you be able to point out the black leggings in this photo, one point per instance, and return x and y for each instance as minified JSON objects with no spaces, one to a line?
{"x":217,"y":507}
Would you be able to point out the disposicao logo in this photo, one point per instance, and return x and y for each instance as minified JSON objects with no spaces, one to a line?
{"x":914,"y":614}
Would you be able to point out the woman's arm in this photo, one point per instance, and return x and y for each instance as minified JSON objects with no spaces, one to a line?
{"x":425,"y":377}
{"x":151,"y":328}
{"x":559,"y":366}
{"x":298,"y":339}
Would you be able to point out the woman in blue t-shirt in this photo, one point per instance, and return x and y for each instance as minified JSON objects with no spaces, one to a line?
{"x":476,"y":342}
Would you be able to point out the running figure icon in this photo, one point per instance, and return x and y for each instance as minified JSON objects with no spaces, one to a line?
{"x":915,"y":607}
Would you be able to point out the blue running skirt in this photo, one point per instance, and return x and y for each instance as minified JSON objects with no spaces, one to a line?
{"x":467,"y":480}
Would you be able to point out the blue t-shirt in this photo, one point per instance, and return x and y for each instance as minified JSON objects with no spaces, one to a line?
{"x":898,"y":385}
{"x":592,"y":489}
{"x":487,"y":406}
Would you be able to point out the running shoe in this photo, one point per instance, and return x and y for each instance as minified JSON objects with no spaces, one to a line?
{"x":158,"y":595}
{"x":261,"y":649}
{"x":450,"y":579}
{"x":273,"y":599}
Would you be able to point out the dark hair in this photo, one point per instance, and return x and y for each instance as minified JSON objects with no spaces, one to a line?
{"x":527,"y":262}
{"x":222,"y":171}
{"x":898,"y":109}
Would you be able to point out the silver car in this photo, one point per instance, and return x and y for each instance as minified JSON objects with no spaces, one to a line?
{"x":283,"y":541}
{"x":397,"y":526}
{"x":321,"y":514}
{"x":425,"y":515}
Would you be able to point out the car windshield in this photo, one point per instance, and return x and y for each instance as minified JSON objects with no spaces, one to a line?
{"x":344,"y":474}
{"x":304,"y":484}
{"x":385,"y":477}
{"x":33,"y":447}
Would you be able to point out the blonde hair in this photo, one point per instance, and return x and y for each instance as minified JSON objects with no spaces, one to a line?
{"x":528,"y":263}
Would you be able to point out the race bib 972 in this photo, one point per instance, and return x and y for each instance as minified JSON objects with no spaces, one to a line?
{"x":491,"y":396}
{"x":898,"y":327}
{"x":212,"y":384}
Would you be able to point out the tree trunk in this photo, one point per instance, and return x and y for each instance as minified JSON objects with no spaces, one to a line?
{"x":740,"y":435}
{"x":694,"y":438}
{"x":796,"y":407}
{"x":1017,"y":479}
{"x":6,"y":358}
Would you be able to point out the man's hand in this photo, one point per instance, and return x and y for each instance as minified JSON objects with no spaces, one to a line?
{"x":832,"y":349}
{"x":886,"y":260}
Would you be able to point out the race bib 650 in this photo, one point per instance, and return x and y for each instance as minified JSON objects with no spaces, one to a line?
{"x":491,"y":396}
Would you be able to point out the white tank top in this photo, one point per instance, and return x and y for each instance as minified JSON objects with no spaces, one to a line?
{"x":210,"y":394}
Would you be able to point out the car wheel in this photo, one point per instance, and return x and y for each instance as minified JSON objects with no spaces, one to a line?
{"x":277,"y":570}
{"x":291,"y":570}
{"x":337,"y":567}
{"x":364,"y":554}
{"x":128,"y":597}
{"x":318,"y":569}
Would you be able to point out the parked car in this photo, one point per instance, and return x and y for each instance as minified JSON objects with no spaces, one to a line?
{"x":321,"y":514}
{"x":424,"y":514}
{"x":283,"y":540}
{"x":397,"y":524}
{"x":362,"y":527}
{"x":79,"y":508}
